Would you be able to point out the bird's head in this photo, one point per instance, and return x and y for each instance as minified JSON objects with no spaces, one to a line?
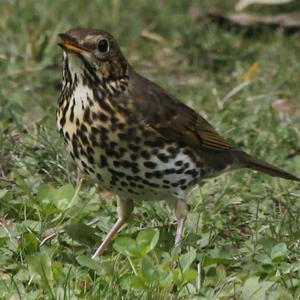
{"x":92,"y":55}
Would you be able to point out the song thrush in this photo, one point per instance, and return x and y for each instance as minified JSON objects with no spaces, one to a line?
{"x":137,"y":139}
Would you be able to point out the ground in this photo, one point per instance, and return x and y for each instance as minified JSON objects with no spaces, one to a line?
{"x":242,"y":234}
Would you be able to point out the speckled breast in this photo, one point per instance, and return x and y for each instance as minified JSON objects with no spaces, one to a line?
{"x":126,"y":157}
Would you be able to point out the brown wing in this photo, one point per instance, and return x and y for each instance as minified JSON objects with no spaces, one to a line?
{"x":170,"y":118}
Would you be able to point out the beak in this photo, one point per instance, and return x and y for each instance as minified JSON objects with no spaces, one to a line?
{"x":69,"y":43}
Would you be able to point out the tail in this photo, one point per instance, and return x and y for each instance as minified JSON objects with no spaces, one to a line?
{"x":262,"y":166}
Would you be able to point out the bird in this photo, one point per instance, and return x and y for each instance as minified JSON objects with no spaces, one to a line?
{"x":135,"y":138}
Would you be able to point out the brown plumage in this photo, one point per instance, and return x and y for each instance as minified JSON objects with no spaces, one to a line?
{"x":136,"y":138}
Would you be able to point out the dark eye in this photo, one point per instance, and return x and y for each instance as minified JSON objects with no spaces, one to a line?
{"x":103,"y":46}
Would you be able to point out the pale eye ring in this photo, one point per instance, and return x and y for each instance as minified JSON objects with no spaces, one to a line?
{"x":103,"y":46}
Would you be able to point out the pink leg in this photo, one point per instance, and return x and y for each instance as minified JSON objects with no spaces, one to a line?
{"x":125,"y":208}
{"x":179,"y":231}
{"x":181,"y":211}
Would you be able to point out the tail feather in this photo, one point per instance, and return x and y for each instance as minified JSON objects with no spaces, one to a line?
{"x":262,"y":166}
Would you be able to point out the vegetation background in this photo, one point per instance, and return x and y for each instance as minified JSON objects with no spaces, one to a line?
{"x":243,"y":231}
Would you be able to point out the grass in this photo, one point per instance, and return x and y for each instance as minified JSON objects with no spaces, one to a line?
{"x":242,"y":234}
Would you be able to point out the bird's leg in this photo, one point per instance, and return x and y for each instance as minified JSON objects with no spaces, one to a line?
{"x":125,"y":208}
{"x":179,"y":231}
{"x":181,"y":211}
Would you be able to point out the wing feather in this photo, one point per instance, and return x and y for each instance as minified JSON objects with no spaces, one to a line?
{"x":170,"y":118}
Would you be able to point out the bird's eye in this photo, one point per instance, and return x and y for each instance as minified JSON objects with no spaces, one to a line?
{"x":103,"y":46}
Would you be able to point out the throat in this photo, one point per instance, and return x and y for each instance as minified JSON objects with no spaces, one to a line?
{"x":83,"y":95}
{"x":76,"y":98}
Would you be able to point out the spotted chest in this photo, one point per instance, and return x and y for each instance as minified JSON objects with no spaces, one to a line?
{"x":126,"y":157}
